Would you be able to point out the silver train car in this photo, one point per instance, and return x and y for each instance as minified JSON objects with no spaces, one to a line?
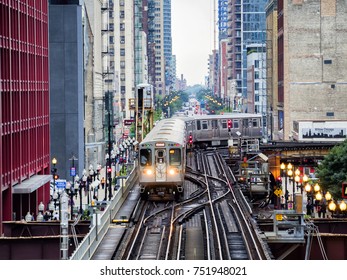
{"x":215,"y":130}
{"x":162,"y":161}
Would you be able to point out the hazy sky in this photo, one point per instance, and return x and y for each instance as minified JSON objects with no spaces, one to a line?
{"x":192,"y":37}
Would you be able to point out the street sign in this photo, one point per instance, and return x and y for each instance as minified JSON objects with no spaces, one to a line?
{"x":73,"y":171}
{"x":278,"y":192}
{"x":60,"y":184}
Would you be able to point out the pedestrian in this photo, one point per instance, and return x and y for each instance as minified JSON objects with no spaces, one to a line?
{"x":283,"y":202}
{"x":309,"y":208}
{"x":323,"y":208}
{"x":103,"y":182}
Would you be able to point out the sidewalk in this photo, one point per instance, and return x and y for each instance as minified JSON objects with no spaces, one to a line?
{"x":98,"y":192}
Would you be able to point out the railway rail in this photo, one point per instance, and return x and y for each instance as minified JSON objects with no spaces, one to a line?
{"x":212,"y":221}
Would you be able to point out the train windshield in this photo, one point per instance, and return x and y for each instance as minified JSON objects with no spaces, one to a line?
{"x":175,"y":157}
{"x":145,"y":157}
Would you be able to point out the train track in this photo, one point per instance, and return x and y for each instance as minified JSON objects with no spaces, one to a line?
{"x":212,"y":221}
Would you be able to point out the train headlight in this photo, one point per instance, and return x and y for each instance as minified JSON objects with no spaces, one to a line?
{"x":173,"y":171}
{"x":148,"y":171}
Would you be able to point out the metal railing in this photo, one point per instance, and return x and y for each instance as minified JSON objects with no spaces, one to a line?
{"x":101,"y":220}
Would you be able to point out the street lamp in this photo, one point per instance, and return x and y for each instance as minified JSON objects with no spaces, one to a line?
{"x":287,"y":171}
{"x":332,"y":208}
{"x":54,"y":172}
{"x":70,"y":190}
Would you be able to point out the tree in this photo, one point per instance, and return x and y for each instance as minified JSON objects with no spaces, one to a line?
{"x":332,"y":171}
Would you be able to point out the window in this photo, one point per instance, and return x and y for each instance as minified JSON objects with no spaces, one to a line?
{"x":175,"y":157}
{"x":122,"y":64}
{"x":145,"y":157}
{"x":214,"y":124}
{"x":236,"y":123}
{"x":122,"y":39}
{"x":198,"y":125}
{"x":122,"y":52}
{"x":224,"y":124}
{"x":122,"y":26}
{"x":328,"y":61}
{"x":245,"y":123}
{"x":204,"y":124}
{"x":256,"y":74}
{"x":255,"y":122}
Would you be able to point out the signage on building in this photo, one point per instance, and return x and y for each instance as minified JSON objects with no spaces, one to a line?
{"x":128,"y":122}
{"x":60,"y":183}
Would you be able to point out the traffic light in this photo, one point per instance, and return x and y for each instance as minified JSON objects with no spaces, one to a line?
{"x":230,"y":125}
{"x":190,"y":141}
{"x":109,"y":169}
{"x":55,"y":176}
{"x":344,"y":190}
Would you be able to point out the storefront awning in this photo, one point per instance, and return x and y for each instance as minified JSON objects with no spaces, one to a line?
{"x":32,"y":184}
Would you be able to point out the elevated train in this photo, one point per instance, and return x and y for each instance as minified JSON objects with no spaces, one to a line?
{"x":216,"y":130}
{"x":162,"y":161}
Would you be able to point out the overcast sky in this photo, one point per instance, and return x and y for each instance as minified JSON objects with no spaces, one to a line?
{"x":192,"y":37}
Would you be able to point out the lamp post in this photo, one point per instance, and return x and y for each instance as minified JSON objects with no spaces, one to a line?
{"x":90,"y":181}
{"x":54,"y":172}
{"x":71,"y":191}
{"x":83,"y":185}
{"x":297,"y":178}
{"x":287,"y":171}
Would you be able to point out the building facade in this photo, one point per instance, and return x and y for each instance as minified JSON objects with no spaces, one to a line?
{"x":66,"y":86}
{"x":24,"y":105}
{"x":312,"y":59}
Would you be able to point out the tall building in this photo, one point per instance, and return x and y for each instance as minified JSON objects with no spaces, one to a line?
{"x":124,"y":50}
{"x":222,"y":19}
{"x":156,"y":63}
{"x":312,"y":73}
{"x":96,"y":78}
{"x":24,"y":105}
{"x":167,"y":40}
{"x":246,"y":26}
{"x":271,"y":71}
{"x":256,"y":82}
{"x":66,"y":86}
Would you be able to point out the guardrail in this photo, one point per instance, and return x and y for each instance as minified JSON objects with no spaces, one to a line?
{"x":102,"y":220}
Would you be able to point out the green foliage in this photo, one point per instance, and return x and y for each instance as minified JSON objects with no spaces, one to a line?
{"x":333,"y":170}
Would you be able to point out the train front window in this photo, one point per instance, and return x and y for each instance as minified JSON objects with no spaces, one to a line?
{"x":255,"y":123}
{"x":175,"y":157}
{"x":160,"y":156}
{"x":145,"y":157}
